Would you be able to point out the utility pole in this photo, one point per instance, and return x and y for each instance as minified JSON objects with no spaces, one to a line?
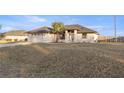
{"x":0,"y":26}
{"x":115,"y":28}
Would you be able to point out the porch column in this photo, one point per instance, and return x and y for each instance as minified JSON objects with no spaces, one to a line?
{"x":66,"y":36}
{"x":75,"y":36}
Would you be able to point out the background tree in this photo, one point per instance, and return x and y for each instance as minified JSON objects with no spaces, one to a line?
{"x":57,"y":28}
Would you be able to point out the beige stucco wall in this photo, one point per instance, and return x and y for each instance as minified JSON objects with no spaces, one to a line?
{"x":19,"y":38}
{"x":67,"y":37}
{"x":45,"y":38}
{"x":93,"y":37}
{"x":76,"y":37}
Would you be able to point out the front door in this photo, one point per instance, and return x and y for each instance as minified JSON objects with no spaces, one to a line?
{"x":72,"y":37}
{"x":71,"y":34}
{"x":61,"y":37}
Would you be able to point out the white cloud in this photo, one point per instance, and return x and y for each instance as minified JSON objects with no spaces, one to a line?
{"x":98,"y":28}
{"x":35,"y":19}
{"x":95,"y":26}
{"x":14,"y":25}
{"x":120,"y":33}
{"x":75,"y":19}
{"x":8,"y":28}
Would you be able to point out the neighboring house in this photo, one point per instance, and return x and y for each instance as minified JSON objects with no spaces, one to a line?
{"x":72,"y":33}
{"x":1,"y":36}
{"x":110,"y":39}
{"x":16,"y":35}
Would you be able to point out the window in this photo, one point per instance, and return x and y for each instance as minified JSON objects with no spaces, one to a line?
{"x":62,"y":36}
{"x":84,"y":35}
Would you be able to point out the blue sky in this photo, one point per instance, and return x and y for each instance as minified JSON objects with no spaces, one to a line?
{"x":103,"y":24}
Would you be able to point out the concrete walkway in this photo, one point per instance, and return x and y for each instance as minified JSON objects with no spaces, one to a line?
{"x":14,"y":44}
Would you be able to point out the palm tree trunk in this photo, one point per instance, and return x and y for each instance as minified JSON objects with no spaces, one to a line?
{"x":57,"y":37}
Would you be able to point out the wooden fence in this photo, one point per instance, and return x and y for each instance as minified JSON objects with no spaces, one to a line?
{"x":110,"y":39}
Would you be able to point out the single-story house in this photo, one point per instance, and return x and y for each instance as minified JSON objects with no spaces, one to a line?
{"x":16,"y":35}
{"x":72,"y":33}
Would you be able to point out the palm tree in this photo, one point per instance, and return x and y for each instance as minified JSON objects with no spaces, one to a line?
{"x":57,"y":28}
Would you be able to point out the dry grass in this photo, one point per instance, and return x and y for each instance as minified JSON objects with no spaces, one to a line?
{"x":62,"y":60}
{"x":5,"y":42}
{"x":3,"y":55}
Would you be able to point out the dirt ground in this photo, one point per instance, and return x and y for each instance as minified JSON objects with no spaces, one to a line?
{"x":62,"y":61}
